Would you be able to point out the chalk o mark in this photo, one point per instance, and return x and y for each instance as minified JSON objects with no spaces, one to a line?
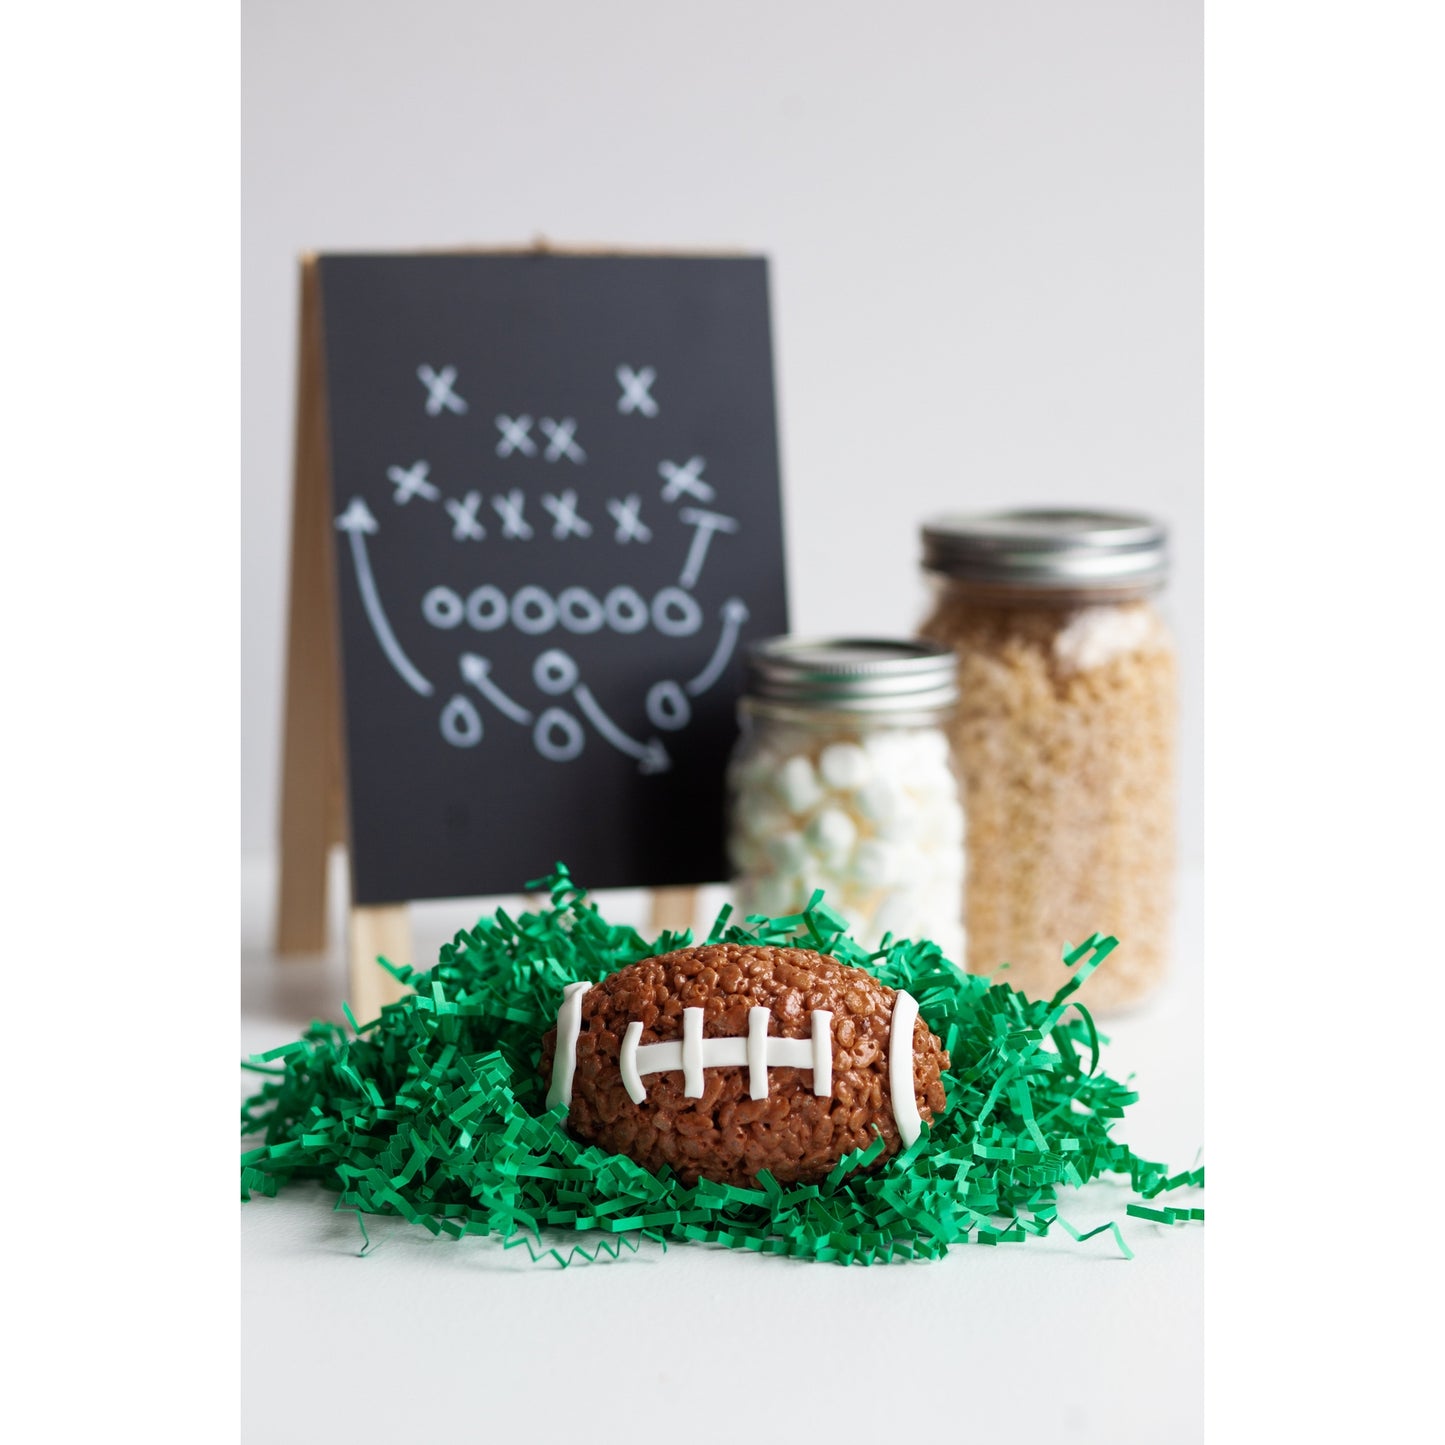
{"x":667,"y":706}
{"x":487,"y":608}
{"x":579,"y":611}
{"x":675,"y":613}
{"x":533,"y":611}
{"x":443,"y":608}
{"x":626,"y":611}
{"x":554,"y":672}
{"x":558,"y":736}
{"x":461,"y":723}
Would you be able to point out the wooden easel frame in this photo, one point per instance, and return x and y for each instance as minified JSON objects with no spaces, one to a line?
{"x":313,"y":774}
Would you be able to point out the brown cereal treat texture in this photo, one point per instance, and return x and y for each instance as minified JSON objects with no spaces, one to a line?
{"x":1068,"y":768}
{"x":725,"y":1135}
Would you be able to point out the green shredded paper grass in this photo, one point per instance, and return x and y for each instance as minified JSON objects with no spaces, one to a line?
{"x":435,"y":1110}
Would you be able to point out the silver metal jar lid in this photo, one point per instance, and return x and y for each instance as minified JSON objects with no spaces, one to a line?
{"x":1047,"y":547}
{"x":853,"y":674}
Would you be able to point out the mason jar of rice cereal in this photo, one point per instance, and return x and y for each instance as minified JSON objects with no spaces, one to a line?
{"x":843,"y":779}
{"x":1065,"y":737}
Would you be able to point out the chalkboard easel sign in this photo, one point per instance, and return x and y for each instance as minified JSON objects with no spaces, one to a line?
{"x":537,"y":519}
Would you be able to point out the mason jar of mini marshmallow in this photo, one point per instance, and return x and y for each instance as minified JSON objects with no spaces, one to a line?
{"x":1065,"y":738}
{"x":843,"y":779}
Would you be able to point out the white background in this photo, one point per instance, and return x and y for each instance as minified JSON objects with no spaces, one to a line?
{"x":986,"y":228}
{"x":985,"y":222}
{"x":118,"y":363}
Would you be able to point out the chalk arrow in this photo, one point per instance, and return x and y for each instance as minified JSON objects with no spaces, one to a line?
{"x":651,"y":756}
{"x":357,"y":518}
{"x":357,"y":522}
{"x":734,"y":614}
{"x":706,"y":523}
{"x":478,"y":672}
{"x":655,"y":758}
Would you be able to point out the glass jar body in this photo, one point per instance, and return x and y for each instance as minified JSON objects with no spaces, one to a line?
{"x":866,"y":807}
{"x":1065,"y":738}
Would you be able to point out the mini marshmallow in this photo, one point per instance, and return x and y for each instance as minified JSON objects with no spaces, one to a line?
{"x":876,"y":824}
{"x":762,"y":818}
{"x":903,"y":825}
{"x":844,"y":766}
{"x":831,"y":834}
{"x":879,"y":800}
{"x":812,"y":877}
{"x":917,"y":745}
{"x":929,"y":746}
{"x":797,"y":785}
{"x":876,"y":864}
{"x":786,"y":851}
{"x":946,"y":868}
{"x":888,"y":753}
{"x":949,"y":938}
{"x":1097,"y":635}
{"x":941,"y":898}
{"x":897,"y":914}
{"x":775,"y":895}
{"x":941,"y":825}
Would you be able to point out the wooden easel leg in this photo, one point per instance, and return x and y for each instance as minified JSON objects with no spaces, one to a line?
{"x":674,"y":908}
{"x":311,"y":785}
{"x":376,"y":931}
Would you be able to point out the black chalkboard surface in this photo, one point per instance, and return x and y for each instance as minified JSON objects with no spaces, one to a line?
{"x":555,"y":489}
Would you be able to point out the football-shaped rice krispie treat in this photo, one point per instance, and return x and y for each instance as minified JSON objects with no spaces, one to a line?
{"x":725,"y":1059}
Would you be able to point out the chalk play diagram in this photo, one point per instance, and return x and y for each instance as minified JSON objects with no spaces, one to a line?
{"x":558,"y":707}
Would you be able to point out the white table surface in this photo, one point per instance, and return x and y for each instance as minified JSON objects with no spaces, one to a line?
{"x":427,"y":1339}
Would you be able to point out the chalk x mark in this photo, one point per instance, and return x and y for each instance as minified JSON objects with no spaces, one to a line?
{"x":626,"y":513}
{"x":440,"y":396}
{"x":706,"y":523}
{"x":478,"y":671}
{"x":559,"y":440}
{"x":411,"y":482}
{"x":516,"y":436}
{"x":509,"y":508}
{"x":686,"y":478}
{"x":636,"y":390}
{"x":734,"y":614}
{"x":357,"y":521}
{"x":651,"y":756}
{"x":565,"y":521}
{"x":465,"y":526}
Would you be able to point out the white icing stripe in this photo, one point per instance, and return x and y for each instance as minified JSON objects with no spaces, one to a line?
{"x":656,"y":1058}
{"x":564,"y":1058}
{"x":627,"y":1063}
{"x":900,"y":1068}
{"x":790,"y":1053}
{"x":693,"y":1054}
{"x":758,"y":1052}
{"x":822,"y":1052}
{"x":717,"y":1052}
